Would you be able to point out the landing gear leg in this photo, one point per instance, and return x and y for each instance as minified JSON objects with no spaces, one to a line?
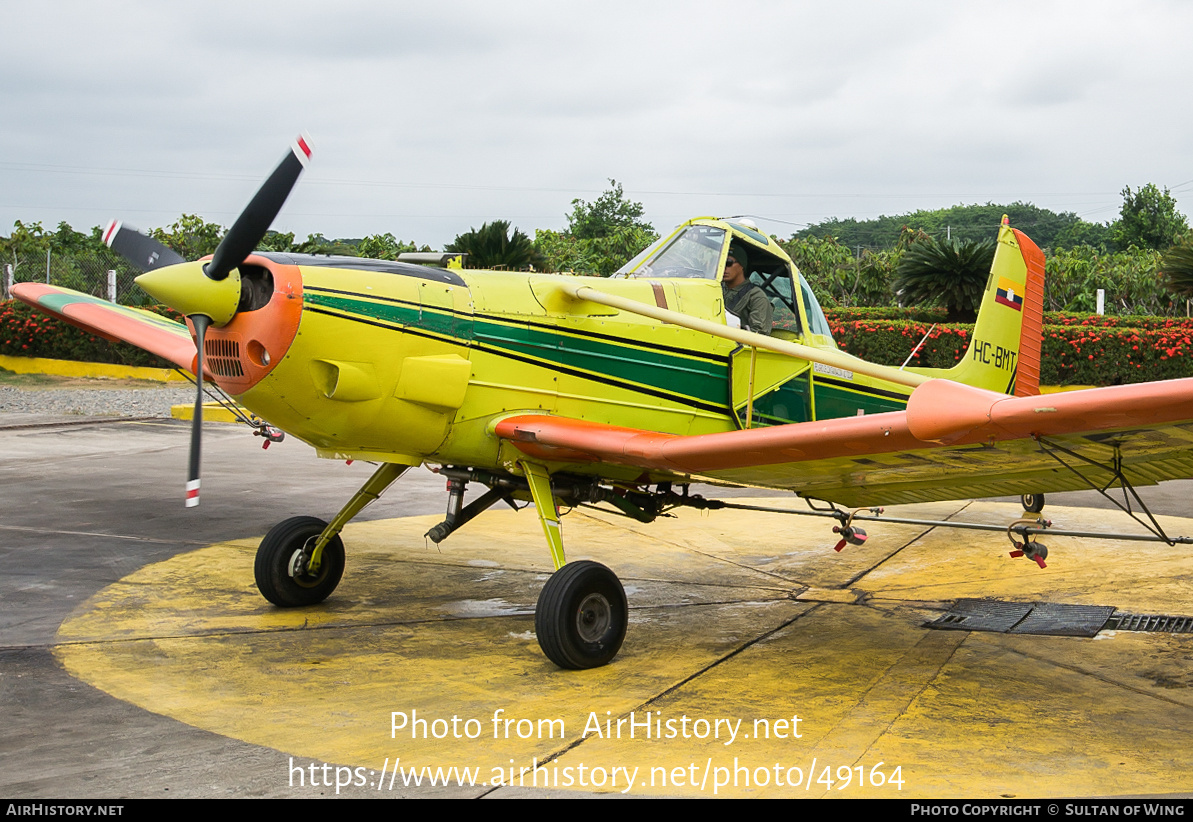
{"x":548,"y":511}
{"x":581,"y":616}
{"x":301,"y":559}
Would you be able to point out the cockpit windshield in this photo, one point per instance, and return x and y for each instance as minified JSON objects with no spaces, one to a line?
{"x":694,"y":252}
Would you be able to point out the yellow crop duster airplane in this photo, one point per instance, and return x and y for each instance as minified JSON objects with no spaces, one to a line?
{"x":580,"y":390}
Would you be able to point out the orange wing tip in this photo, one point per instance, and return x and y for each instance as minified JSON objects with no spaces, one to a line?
{"x":946,"y":412}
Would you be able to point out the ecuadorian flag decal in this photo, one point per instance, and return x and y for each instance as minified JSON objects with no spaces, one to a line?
{"x":1010,"y":293}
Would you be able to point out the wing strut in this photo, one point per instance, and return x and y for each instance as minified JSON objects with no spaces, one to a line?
{"x":1024,"y":528}
{"x":1115,"y":469}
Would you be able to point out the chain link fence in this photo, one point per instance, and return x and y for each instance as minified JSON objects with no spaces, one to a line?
{"x":109,"y":279}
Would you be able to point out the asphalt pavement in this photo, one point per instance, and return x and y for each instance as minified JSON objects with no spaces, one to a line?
{"x":88,"y":501}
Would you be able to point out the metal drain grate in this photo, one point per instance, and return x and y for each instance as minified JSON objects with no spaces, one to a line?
{"x":1152,"y":623}
{"x":1051,"y":619}
{"x":1038,"y":618}
{"x":982,"y":615}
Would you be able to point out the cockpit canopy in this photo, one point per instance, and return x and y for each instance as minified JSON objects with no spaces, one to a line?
{"x":692,"y":251}
{"x":697,"y":250}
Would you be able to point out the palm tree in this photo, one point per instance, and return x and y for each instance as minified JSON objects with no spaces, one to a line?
{"x":951,"y":272}
{"x":1176,"y":268}
{"x":492,"y":246}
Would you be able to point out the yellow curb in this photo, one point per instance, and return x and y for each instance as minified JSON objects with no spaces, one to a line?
{"x":100,"y":370}
{"x":212,"y":412}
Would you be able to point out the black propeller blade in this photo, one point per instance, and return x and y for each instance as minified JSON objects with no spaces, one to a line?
{"x":141,"y":250}
{"x":240,"y":241}
{"x":201,"y":322}
{"x":244,"y":235}
{"x":185,"y":283}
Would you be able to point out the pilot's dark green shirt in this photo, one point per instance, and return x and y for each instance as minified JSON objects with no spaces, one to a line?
{"x":749,"y":303}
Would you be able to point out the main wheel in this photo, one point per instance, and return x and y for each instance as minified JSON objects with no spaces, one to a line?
{"x":1032,"y":503}
{"x":581,"y":616}
{"x":281,"y":575}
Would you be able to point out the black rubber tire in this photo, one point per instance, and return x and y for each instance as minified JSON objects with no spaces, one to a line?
{"x":1032,"y":503}
{"x":272,"y":568}
{"x":581,"y":616}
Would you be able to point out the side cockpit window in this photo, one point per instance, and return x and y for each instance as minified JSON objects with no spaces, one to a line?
{"x":773,"y":276}
{"x":817,"y":322}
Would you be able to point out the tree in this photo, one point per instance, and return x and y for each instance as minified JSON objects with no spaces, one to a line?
{"x":607,"y":215}
{"x":822,"y":261}
{"x":1149,"y":219}
{"x":1130,"y":280}
{"x":24,"y":244}
{"x":959,"y":222}
{"x":601,"y":236}
{"x":1176,"y":269}
{"x":384,"y":247}
{"x":950,"y":272}
{"x":277,"y":241}
{"x":492,"y":246}
{"x":81,"y":261}
{"x":191,"y":236}
{"x":1098,"y":236}
{"x":318,"y":244}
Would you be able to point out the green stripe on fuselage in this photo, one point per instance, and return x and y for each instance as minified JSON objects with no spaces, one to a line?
{"x":444,"y":323}
{"x":697,"y":378}
{"x":690,"y":377}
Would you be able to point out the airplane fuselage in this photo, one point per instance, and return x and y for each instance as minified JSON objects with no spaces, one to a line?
{"x":409,"y":364}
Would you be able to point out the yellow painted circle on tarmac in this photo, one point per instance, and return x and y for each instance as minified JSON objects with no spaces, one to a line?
{"x":743,"y":626}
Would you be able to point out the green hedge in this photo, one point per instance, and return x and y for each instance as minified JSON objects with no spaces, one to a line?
{"x":913,"y":314}
{"x":937,"y":315}
{"x":1084,"y":352}
{"x":27,"y":332}
{"x":1100,"y":321}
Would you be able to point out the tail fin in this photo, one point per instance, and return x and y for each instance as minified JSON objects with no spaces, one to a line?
{"x":1004,"y":352}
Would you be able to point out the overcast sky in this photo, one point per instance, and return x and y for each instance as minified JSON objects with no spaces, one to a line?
{"x":430,"y":118}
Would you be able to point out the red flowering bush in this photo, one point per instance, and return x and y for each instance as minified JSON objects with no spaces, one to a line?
{"x":1077,"y":350}
{"x":26,"y":332}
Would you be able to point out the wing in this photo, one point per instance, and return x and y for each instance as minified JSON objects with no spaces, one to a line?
{"x":168,"y":339}
{"x":952,"y":442}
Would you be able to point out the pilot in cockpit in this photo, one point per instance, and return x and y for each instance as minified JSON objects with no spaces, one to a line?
{"x":742,"y":297}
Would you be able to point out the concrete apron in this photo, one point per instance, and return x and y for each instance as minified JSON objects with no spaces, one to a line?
{"x":743,"y":626}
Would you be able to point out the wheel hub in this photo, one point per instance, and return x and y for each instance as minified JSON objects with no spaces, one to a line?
{"x":594,"y":618}
{"x":297,"y":567}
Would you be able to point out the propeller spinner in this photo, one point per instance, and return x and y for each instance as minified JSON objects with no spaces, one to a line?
{"x":206,"y":293}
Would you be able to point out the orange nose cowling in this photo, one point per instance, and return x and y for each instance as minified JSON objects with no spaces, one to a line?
{"x":240,"y":354}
